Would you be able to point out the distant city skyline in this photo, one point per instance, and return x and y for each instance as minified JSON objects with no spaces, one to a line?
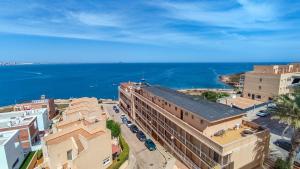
{"x":149,"y":31}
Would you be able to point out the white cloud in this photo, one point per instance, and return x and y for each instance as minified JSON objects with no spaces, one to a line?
{"x":99,"y":19}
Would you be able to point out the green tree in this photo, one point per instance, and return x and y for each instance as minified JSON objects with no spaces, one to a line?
{"x":213,"y":96}
{"x":288,"y":111}
{"x":114,"y":127}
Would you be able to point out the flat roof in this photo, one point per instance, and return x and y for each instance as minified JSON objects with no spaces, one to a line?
{"x":210,"y":111}
{"x":7,"y":135}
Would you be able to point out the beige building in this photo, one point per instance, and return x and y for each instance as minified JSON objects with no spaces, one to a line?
{"x":81,"y":140}
{"x":266,"y":82}
{"x":201,"y":134}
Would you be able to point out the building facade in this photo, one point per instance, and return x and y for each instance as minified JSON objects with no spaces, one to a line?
{"x":266,"y":82}
{"x":81,"y":140}
{"x":201,"y":134}
{"x":11,"y":151}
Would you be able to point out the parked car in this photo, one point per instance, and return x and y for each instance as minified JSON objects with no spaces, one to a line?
{"x":284,"y":144}
{"x":128,"y":123}
{"x":263,"y":113}
{"x":124,"y":120}
{"x":150,"y":145}
{"x":117,"y":110}
{"x":134,"y":128}
{"x":141,"y":136}
{"x":115,"y":107}
{"x":122,"y":116}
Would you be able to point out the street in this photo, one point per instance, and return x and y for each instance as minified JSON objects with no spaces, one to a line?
{"x":140,"y":156}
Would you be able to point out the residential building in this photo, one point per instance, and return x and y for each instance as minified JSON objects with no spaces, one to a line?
{"x":38,"y":104}
{"x":11,"y":151}
{"x":81,"y":140}
{"x":268,"y":81}
{"x":43,"y":121}
{"x":27,"y":126}
{"x":201,"y":134}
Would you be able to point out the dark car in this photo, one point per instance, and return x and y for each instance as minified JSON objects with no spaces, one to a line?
{"x":134,"y":128}
{"x":117,"y":110}
{"x":141,"y":136}
{"x":124,"y":120}
{"x":263,"y":113}
{"x":150,"y":145}
{"x":284,"y":144}
{"x":115,"y":107}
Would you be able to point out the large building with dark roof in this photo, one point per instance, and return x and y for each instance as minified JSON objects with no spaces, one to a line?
{"x":200,"y":133}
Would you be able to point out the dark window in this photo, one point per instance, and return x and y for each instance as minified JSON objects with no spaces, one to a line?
{"x":181,"y":114}
{"x":259,"y":87}
{"x":216,"y":157}
{"x":249,"y":94}
{"x":166,"y":103}
{"x":260,"y":79}
{"x":15,"y":163}
{"x":192,"y":116}
{"x":69,"y":155}
{"x":201,"y":121}
{"x":176,"y":108}
{"x":258,"y":96}
{"x":169,"y":105}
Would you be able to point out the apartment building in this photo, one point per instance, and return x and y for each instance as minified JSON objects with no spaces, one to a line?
{"x":42,"y":117}
{"x":81,"y":140}
{"x":266,"y":82}
{"x":38,"y":104}
{"x":201,"y":134}
{"x":11,"y":151}
{"x":27,"y":126}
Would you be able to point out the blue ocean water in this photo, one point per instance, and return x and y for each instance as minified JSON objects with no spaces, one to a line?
{"x":27,"y":82}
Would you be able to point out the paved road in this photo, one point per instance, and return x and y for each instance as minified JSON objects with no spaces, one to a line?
{"x":140,"y":156}
{"x":275,"y":128}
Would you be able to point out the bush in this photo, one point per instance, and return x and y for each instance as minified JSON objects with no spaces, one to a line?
{"x":114,"y":127}
{"x":27,"y":160}
{"x":281,"y":164}
{"x":211,"y":96}
{"x":123,"y":155}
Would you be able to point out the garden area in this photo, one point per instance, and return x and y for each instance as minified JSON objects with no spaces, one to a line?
{"x":116,"y":132}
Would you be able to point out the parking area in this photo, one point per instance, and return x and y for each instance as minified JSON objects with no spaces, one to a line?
{"x":276,"y":130}
{"x":140,"y":156}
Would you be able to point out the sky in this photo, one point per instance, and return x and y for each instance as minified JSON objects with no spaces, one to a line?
{"x":149,"y":31}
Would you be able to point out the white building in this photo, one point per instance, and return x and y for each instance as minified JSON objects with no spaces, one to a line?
{"x":11,"y":152}
{"x":43,"y":120}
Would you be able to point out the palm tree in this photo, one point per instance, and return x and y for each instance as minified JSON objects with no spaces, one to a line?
{"x":288,"y":111}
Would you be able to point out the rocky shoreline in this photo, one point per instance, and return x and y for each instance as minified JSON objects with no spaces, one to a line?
{"x":231,"y":79}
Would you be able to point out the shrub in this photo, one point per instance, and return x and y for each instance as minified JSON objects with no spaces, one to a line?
{"x":281,"y":164}
{"x":123,"y":155}
{"x":114,"y":127}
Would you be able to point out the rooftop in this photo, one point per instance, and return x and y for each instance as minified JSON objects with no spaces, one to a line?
{"x":6,"y":135}
{"x":210,"y":111}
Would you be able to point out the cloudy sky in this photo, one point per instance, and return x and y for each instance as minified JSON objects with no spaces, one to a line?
{"x":150,"y":31}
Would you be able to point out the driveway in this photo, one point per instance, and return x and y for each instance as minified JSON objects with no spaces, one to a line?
{"x":140,"y":156}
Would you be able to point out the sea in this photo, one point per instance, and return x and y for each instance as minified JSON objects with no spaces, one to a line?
{"x":21,"y":83}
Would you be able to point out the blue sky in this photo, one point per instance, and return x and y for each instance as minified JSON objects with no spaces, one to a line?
{"x":150,"y":31}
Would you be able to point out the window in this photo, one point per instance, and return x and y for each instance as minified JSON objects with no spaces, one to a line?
{"x":15,"y":163}
{"x":106,"y":161}
{"x":176,"y":108}
{"x":166,"y":103}
{"x":69,"y":155}
{"x":201,"y":121}
{"x":249,"y":94}
{"x":258,"y":96}
{"x":186,"y":113}
{"x":259,"y":87}
{"x":169,"y":105}
{"x":192,"y":116}
{"x":260,"y":79}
